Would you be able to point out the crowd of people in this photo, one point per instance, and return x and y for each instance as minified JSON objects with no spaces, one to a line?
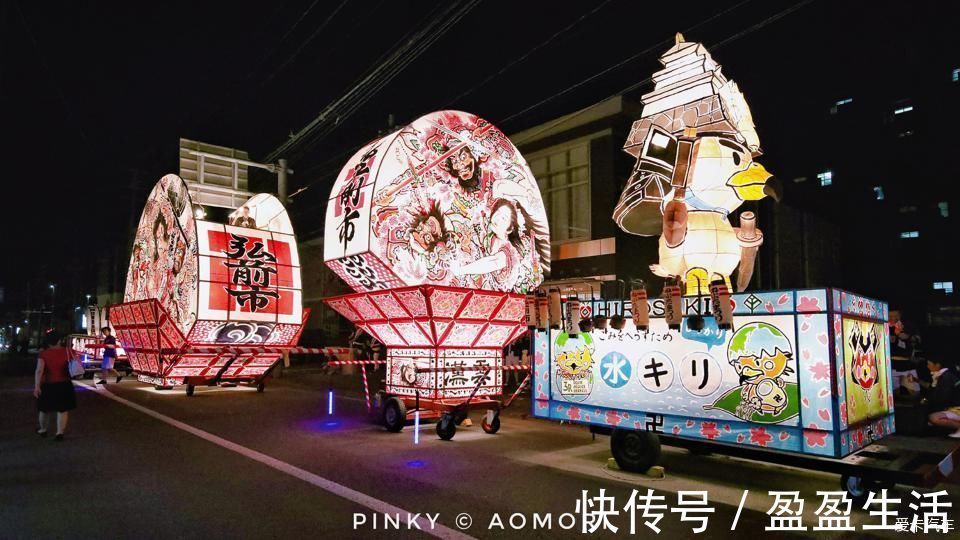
{"x":925,"y":376}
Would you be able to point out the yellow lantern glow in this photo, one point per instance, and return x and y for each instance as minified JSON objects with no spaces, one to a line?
{"x":695,"y":145}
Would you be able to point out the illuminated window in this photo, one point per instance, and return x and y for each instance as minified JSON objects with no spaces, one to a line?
{"x":563,"y":173}
{"x":826,"y":178}
{"x":945,"y":286}
{"x":878,"y":192}
{"x":944,"y":208}
{"x":956,"y":74}
{"x":83,"y":321}
{"x":903,"y":109}
{"x":799,"y":179}
{"x":910,"y":234}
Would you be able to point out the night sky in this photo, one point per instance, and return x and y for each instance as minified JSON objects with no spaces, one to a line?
{"x":96,"y":94}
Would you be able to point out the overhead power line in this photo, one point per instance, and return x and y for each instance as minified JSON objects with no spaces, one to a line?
{"x":306,"y":42}
{"x":473,"y":88}
{"x":551,"y":125}
{"x":402,"y":55}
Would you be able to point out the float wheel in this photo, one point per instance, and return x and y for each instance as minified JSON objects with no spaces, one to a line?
{"x":446,"y":427}
{"x":394,"y":414}
{"x":493,"y":426}
{"x":635,"y":451}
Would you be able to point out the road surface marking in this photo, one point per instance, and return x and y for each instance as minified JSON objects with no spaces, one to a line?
{"x":339,"y":490}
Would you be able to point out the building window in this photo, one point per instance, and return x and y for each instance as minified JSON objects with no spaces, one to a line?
{"x":910,"y":234}
{"x":945,"y":286}
{"x":944,"y":208}
{"x":878,"y":192}
{"x":903,"y":109}
{"x":826,"y":178}
{"x":563,"y":174}
{"x":955,"y":75}
{"x":799,"y":179}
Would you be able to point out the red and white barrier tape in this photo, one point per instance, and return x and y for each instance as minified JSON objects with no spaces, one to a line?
{"x":214,"y":349}
{"x":355,"y":362}
{"x":472,"y":368}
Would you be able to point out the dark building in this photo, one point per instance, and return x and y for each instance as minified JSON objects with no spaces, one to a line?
{"x":883,"y":169}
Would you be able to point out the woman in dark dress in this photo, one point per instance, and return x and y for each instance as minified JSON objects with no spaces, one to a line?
{"x":53,"y":387}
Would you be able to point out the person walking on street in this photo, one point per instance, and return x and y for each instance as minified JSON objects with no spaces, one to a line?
{"x":109,"y":356}
{"x":53,"y":387}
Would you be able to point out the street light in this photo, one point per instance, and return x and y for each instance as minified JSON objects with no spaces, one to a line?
{"x":53,"y":303}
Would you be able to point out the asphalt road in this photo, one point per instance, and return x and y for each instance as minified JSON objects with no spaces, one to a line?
{"x":237,"y":464}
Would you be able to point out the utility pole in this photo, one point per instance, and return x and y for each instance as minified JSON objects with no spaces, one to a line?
{"x":282,"y":180}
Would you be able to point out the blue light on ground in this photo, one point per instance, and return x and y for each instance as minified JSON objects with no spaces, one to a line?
{"x":322,"y":425}
{"x":416,"y":464}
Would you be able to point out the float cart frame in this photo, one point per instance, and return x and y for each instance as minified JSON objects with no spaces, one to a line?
{"x":444,"y":352}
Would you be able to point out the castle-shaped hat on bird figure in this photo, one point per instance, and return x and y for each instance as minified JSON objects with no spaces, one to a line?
{"x":695,"y":146}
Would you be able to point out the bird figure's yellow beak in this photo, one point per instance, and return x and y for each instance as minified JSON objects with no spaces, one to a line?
{"x":749,"y":182}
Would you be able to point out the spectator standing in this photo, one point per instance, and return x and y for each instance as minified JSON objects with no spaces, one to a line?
{"x":109,"y":356}
{"x":53,"y":387}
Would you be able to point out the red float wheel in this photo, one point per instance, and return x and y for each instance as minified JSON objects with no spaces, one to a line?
{"x":493,"y":426}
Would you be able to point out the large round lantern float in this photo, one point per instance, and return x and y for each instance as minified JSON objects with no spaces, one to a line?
{"x":441,"y":230}
{"x":209,"y":302}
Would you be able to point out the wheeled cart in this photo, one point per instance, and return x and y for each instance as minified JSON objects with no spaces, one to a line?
{"x":879,"y":466}
{"x":444,"y":351}
{"x":801,"y":377}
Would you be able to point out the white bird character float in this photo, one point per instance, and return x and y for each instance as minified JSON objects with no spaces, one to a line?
{"x":695,"y":146}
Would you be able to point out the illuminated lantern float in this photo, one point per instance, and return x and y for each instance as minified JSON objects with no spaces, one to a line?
{"x":440,"y":229}
{"x":209,"y":302}
{"x":803,"y":371}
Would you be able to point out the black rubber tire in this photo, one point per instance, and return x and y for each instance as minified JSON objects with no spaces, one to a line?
{"x":446,"y":427}
{"x":857,"y":487}
{"x":493,"y":426}
{"x":635,"y":451}
{"x":190,"y":389}
{"x":261,"y":386}
{"x":394,"y":414}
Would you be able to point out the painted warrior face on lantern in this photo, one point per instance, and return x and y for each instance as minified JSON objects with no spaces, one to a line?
{"x":428,"y":230}
{"x":465,"y":168}
{"x":446,"y":200}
